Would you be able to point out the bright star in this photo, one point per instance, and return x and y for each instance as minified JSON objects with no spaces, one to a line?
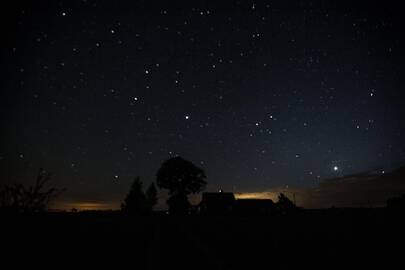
{"x":335,"y":168}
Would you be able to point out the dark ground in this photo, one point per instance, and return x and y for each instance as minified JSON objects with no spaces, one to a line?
{"x":334,"y":238}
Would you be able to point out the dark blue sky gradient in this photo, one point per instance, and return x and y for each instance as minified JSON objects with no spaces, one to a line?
{"x":259,"y":94}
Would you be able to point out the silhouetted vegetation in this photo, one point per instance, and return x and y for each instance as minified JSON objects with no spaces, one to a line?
{"x":181,"y":178}
{"x":178,"y":204}
{"x":151,"y":197}
{"x":284,"y":204}
{"x":36,"y":198}
{"x":137,"y":202}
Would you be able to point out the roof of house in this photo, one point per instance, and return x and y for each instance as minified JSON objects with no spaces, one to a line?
{"x":255,"y":202}
{"x":218,"y":197}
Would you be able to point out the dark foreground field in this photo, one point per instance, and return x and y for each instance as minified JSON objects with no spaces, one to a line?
{"x":322,"y":240}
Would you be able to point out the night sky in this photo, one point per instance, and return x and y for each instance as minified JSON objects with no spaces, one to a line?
{"x":259,"y":94}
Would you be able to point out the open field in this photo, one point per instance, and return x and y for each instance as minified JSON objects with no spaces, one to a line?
{"x":318,"y":239}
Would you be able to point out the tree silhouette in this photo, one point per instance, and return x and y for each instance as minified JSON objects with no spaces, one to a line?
{"x":181,"y":178}
{"x":135,"y":201}
{"x":178,"y":204}
{"x":284,"y":204}
{"x":18,"y":198}
{"x":151,"y":196}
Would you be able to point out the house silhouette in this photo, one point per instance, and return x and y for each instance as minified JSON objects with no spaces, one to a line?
{"x":216,"y":203}
{"x":224,"y":203}
{"x":254,"y":207}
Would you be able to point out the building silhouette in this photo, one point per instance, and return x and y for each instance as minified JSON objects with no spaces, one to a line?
{"x":224,"y":203}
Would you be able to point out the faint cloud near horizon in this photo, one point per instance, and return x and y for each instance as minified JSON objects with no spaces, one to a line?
{"x":366,"y":189}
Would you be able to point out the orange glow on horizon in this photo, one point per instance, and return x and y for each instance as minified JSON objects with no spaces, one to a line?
{"x":257,"y":195}
{"x":86,"y":206}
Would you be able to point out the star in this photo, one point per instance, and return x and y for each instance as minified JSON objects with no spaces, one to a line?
{"x":106,"y":83}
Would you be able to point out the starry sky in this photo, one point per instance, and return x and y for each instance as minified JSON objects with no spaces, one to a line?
{"x":260,"y":94}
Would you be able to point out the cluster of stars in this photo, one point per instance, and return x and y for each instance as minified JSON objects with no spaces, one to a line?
{"x":261,"y":96}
